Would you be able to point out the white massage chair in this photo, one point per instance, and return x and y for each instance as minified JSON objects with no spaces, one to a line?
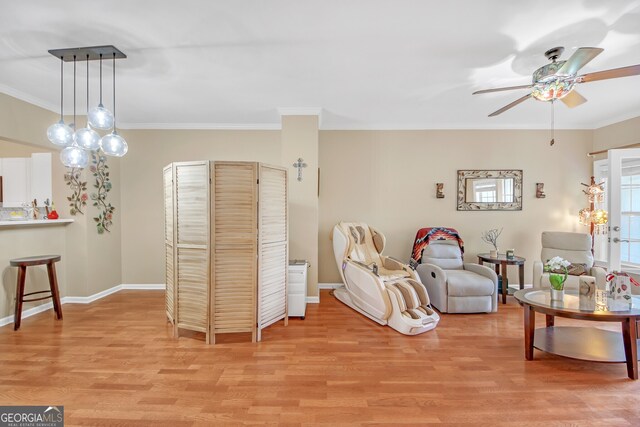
{"x":383,"y":289}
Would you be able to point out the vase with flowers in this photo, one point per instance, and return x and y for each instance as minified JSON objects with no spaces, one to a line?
{"x":557,"y":269}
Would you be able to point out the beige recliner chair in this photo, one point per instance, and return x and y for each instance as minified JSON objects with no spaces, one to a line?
{"x":575,"y":248}
{"x":383,"y":289}
{"x":456,"y":286}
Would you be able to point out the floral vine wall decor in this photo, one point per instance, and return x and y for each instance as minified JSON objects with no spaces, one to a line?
{"x":78,"y":198}
{"x":100,"y":170}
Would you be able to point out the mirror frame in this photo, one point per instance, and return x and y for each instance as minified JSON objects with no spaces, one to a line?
{"x":515,"y":174}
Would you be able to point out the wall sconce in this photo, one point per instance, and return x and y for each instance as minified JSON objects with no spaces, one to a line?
{"x":540,"y":190}
{"x":440,"y":190}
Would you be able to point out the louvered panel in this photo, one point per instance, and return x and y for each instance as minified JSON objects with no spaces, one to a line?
{"x":273,"y":249}
{"x":192,"y":190}
{"x":170,"y":289}
{"x":273,"y":205}
{"x":272,"y":278}
{"x":193,"y":282}
{"x":235,"y":250}
{"x":168,"y":203}
{"x":167,"y":180}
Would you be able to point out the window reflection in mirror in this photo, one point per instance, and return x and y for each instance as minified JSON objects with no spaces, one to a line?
{"x":489,"y":190}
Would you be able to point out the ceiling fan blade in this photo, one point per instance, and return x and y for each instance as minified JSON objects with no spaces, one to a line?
{"x":500,"y":89}
{"x":579,"y":59}
{"x":631,"y":70}
{"x":513,"y":104}
{"x":573,"y":99}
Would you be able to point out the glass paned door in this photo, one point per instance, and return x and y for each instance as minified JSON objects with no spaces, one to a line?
{"x":623,"y":195}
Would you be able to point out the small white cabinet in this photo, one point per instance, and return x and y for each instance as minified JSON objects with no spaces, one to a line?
{"x":297,"y":288}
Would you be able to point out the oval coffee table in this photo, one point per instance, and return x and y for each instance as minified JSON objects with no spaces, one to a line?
{"x":584,"y":343}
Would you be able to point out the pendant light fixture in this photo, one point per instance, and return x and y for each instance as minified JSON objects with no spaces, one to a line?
{"x":99,"y":117}
{"x":113,"y":144}
{"x":59,"y":133}
{"x":86,"y":137}
{"x":78,"y":143}
{"x":74,"y":156}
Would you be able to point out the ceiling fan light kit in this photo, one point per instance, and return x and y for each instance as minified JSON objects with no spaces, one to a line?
{"x":558,"y":79}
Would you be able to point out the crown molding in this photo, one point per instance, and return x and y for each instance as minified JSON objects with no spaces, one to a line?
{"x":615,"y":120}
{"x":444,"y":127}
{"x":22,"y":96}
{"x":200,"y":126}
{"x":299,"y":111}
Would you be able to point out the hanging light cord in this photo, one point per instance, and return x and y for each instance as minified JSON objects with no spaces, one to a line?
{"x":553,"y":129}
{"x":87,"y":90}
{"x":114,"y":91}
{"x":100,"y":79}
{"x":61,"y":88}
{"x":74,"y":92}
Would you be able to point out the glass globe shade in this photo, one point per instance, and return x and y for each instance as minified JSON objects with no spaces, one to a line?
{"x":88,"y":139}
{"x":100,"y":118}
{"x":60,"y":134}
{"x":74,"y":157}
{"x":114,"y":145}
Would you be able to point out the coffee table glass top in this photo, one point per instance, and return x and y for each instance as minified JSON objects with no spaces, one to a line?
{"x":572,"y":302}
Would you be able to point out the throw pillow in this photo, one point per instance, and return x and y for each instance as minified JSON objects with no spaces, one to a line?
{"x":573,"y":270}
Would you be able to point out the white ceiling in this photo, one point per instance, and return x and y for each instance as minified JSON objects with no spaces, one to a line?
{"x":368,"y":64}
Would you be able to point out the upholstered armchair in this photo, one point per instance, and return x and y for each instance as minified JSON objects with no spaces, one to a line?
{"x":453,"y":285}
{"x":575,"y":248}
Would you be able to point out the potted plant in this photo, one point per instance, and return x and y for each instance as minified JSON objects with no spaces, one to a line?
{"x":491,"y":237}
{"x":557,"y":269}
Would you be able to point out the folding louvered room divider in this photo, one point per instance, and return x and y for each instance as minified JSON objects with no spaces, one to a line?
{"x":226,"y":246}
{"x":167,"y":179}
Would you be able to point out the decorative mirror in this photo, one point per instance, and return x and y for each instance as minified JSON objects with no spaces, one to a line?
{"x":489,"y":190}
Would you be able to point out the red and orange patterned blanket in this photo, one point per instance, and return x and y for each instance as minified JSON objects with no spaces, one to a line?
{"x":427,"y":235}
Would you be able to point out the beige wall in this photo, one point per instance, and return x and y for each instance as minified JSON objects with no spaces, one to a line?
{"x":387,"y":179}
{"x":141,"y":174}
{"x":90,"y":262}
{"x":617,"y":135}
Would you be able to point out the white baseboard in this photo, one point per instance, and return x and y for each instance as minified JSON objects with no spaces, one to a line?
{"x":329,"y":285}
{"x":81,"y":300}
{"x":145,"y":287}
{"x":313,"y":299}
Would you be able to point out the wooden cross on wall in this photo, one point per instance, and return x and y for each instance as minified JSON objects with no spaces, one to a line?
{"x":300,"y":164}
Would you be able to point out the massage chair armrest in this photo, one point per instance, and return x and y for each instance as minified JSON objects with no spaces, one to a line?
{"x":362,"y":270}
{"x":482,"y":270}
{"x":393,"y":264}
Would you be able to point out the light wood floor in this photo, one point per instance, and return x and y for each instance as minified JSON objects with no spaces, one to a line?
{"x":114,"y":362}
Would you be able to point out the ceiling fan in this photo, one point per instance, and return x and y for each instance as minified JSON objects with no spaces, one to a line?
{"x":557,"y":80}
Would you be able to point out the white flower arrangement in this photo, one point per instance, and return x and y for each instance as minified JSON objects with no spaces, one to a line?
{"x":557,"y":263}
{"x":554,"y":264}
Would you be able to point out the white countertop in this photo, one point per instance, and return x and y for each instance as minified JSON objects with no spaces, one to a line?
{"x":36,"y":222}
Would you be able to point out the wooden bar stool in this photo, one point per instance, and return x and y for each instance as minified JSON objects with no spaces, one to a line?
{"x":22,"y":264}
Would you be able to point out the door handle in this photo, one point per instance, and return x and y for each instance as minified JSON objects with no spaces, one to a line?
{"x":616,"y":240}
{"x":616,"y":228}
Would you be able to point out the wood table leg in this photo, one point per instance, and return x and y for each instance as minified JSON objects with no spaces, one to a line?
{"x":550,"y":320}
{"x":529,"y":331}
{"x":55,"y":294}
{"x":629,"y":334}
{"x":505,"y":282}
{"x":22,"y":275}
{"x":521,"y":275}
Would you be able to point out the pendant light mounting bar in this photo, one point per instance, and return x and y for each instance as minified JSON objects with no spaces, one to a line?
{"x":89,"y":53}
